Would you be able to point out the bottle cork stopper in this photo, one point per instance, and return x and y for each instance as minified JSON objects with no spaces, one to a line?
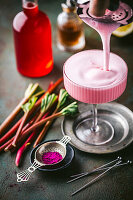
{"x":97,"y":7}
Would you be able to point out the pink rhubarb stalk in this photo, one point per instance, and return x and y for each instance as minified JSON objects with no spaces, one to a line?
{"x":13,"y":114}
{"x":6,"y":144}
{"x":26,"y":144}
{"x":10,"y":133}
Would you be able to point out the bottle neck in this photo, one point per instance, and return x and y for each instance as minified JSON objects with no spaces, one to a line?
{"x":69,"y":10}
{"x":30,"y":7}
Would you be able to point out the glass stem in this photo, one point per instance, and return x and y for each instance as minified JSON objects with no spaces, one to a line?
{"x":94,"y":126}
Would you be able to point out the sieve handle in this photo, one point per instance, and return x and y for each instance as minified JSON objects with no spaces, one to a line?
{"x":65,"y":139}
{"x":25,"y":175}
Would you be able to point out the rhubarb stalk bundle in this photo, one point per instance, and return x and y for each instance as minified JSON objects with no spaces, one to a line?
{"x":47,"y":102}
{"x":71,"y":109}
{"x":61,"y":101}
{"x":28,"y":93}
{"x":37,"y":114}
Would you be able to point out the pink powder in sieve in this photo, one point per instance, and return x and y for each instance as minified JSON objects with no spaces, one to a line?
{"x":51,"y":157}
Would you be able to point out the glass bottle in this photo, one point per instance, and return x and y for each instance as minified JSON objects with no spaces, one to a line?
{"x":32,"y":41}
{"x":70,"y":34}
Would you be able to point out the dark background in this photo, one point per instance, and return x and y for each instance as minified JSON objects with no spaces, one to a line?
{"x":118,"y":185}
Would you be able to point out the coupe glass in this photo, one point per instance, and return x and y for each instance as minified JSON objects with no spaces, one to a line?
{"x":84,"y":84}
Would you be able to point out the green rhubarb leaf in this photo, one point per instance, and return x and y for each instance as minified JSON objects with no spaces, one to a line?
{"x":47,"y":102}
{"x":62,"y":98}
{"x":29,"y":105}
{"x":71,"y":109}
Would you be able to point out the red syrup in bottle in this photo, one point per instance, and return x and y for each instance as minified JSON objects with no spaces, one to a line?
{"x":32,"y":41}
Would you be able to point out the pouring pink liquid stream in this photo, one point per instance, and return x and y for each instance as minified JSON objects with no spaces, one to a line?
{"x":105,"y":30}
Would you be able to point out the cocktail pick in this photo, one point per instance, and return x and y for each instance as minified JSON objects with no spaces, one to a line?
{"x":95,"y":179}
{"x":78,"y":176}
{"x":102,"y":174}
{"x":99,"y":168}
{"x":53,"y":146}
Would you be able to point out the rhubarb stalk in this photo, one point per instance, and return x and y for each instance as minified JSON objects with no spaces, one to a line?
{"x":26,"y":144}
{"x":6,"y":144}
{"x":50,"y":85}
{"x":50,"y":90}
{"x":38,"y":103}
{"x":45,"y":106}
{"x":61,"y":101}
{"x":71,"y":109}
{"x":47,"y":102}
{"x":29,"y":92}
{"x":26,"y":108}
{"x":11,"y":132}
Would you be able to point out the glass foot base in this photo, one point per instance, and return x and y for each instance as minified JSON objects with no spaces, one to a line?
{"x":103,"y":134}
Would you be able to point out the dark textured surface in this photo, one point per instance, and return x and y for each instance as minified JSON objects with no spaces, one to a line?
{"x":118,"y":185}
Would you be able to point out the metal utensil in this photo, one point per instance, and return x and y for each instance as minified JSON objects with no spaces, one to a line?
{"x":95,"y":179}
{"x":54,"y":146}
{"x":122,"y":15}
{"x":97,"y":170}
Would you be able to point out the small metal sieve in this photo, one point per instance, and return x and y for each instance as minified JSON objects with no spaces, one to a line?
{"x":54,"y":146}
{"x":122,"y":15}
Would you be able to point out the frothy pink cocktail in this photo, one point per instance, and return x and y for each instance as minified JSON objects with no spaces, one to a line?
{"x":87,"y":81}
